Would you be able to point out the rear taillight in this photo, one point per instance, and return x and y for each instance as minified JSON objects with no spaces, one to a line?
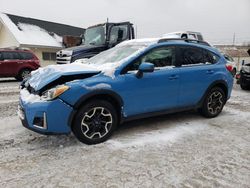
{"x":229,"y":67}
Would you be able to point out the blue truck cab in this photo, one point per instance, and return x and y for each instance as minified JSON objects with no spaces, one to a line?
{"x":96,"y":39}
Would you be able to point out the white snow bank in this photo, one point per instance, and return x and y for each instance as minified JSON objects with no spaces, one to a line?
{"x":26,"y":97}
{"x":163,"y":136}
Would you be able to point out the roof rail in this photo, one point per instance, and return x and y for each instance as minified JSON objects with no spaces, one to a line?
{"x":184,"y":39}
{"x":15,"y":48}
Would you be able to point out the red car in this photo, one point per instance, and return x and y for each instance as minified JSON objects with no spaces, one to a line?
{"x":17,"y":63}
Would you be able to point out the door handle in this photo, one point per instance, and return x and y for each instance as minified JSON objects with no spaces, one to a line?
{"x":173,"y":77}
{"x":210,"y":71}
{"x":19,"y":62}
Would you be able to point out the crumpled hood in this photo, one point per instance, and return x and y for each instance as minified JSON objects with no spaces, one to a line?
{"x":44,"y":76}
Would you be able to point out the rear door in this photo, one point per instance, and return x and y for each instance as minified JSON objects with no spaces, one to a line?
{"x":196,"y":73}
{"x":9,"y":64}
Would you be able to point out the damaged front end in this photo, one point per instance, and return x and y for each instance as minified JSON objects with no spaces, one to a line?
{"x":40,"y":108}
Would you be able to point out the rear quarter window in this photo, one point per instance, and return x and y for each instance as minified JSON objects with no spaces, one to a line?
{"x":210,"y":57}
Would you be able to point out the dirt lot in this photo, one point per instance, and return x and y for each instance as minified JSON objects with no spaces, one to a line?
{"x":177,"y":150}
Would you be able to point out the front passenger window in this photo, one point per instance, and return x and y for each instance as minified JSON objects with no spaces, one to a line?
{"x":160,"y":57}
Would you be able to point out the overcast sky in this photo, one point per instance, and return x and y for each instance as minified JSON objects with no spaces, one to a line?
{"x":218,"y":20}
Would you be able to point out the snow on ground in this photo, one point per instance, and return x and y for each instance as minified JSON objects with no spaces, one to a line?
{"x":175,"y":150}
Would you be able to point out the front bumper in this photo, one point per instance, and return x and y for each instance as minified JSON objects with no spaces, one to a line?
{"x":45,"y":117}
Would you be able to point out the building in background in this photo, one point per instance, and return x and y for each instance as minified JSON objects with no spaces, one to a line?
{"x":42,"y":37}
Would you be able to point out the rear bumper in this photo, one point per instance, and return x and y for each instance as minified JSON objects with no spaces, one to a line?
{"x":45,"y":117}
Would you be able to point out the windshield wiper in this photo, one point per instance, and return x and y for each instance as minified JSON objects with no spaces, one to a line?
{"x":92,"y":43}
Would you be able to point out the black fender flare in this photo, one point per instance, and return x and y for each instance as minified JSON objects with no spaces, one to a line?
{"x":217,"y":83}
{"x":93,"y":94}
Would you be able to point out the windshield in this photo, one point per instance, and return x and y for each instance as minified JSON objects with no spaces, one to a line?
{"x":95,"y":35}
{"x":115,"y":54}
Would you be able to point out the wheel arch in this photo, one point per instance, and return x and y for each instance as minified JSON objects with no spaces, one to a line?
{"x":106,"y":95}
{"x":18,"y":74}
{"x":219,"y":83}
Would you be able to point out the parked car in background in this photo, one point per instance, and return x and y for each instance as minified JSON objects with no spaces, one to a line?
{"x":17,"y":63}
{"x":231,"y":64}
{"x":135,"y":79}
{"x":185,"y":34}
{"x":244,"y":77}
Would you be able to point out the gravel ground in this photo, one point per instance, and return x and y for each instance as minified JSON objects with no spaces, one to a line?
{"x":177,"y":150}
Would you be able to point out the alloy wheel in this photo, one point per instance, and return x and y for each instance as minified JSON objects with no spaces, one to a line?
{"x":215,"y":102}
{"x":96,"y":123}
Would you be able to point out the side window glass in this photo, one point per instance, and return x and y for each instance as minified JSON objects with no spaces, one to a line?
{"x":7,"y":56}
{"x":1,"y":56}
{"x":16,"y":55}
{"x":25,"y":56}
{"x":210,"y":58}
{"x":191,"y":56}
{"x":160,"y":57}
{"x":118,"y":34}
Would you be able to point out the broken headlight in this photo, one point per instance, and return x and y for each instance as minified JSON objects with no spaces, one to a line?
{"x":54,"y":92}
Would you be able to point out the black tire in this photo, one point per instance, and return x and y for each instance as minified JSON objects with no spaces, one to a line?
{"x":90,"y":119}
{"x":244,"y":87}
{"x":213,"y":103}
{"x":24,"y":73}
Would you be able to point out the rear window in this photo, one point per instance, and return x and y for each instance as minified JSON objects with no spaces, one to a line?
{"x":25,"y":55}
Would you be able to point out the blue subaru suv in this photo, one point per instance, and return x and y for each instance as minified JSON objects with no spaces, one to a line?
{"x":135,"y":79}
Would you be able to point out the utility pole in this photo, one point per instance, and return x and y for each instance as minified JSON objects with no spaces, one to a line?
{"x":135,"y":31}
{"x":234,"y":39}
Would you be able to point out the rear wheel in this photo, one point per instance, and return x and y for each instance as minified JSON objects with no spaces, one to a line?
{"x":213,"y":103}
{"x":244,"y":86}
{"x":95,"y":122}
{"x":24,"y":73}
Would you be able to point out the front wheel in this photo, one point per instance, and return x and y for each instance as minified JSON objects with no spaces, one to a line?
{"x":213,"y":103}
{"x":24,"y":73}
{"x":95,"y":122}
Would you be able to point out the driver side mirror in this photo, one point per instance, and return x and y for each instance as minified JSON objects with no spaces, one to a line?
{"x":143,"y":68}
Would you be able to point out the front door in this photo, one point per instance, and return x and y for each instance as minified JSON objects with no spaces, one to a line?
{"x":155,"y":91}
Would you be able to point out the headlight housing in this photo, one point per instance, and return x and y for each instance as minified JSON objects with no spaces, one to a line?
{"x":54,"y":92}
